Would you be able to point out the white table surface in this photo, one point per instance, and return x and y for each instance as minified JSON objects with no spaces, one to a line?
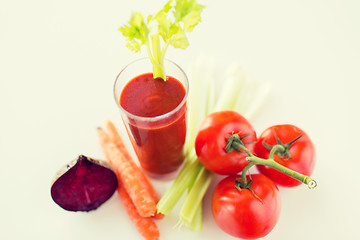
{"x":59,"y":60}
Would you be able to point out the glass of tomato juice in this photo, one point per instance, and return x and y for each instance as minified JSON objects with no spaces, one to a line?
{"x":154,"y":113}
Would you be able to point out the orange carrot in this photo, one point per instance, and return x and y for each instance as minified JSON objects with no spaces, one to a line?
{"x":141,"y":198}
{"x":145,"y":225}
{"x":115,"y":137}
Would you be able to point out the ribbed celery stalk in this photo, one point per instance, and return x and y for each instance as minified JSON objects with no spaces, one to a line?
{"x":201,"y":102}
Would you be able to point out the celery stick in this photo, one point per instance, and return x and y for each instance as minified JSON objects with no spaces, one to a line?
{"x":195,"y":195}
{"x":246,"y":103}
{"x":209,"y":76}
{"x":231,"y":88}
{"x":202,"y":102}
{"x":235,"y":73}
{"x":185,"y":178}
{"x":197,"y":99}
{"x":262,"y":90}
{"x":196,"y":223}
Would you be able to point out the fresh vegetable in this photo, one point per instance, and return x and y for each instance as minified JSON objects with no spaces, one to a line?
{"x":171,"y":28}
{"x":115,"y":137}
{"x":297,"y":152}
{"x":145,"y":225}
{"x":136,"y":189}
{"x":84,"y":184}
{"x":193,"y":179}
{"x":246,"y":213}
{"x":235,"y":212}
{"x":211,"y":139}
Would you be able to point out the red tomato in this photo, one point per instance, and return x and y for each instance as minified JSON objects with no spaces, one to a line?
{"x":301,"y":158}
{"x":240,"y":213}
{"x":212,"y":138}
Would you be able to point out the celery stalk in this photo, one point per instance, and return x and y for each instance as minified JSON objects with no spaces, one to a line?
{"x":248,"y":94}
{"x":158,"y":65}
{"x":196,"y":223}
{"x":198,"y":95}
{"x":182,"y":182}
{"x":195,"y":195}
{"x":232,"y":90}
{"x":210,"y":82}
{"x":262,"y":90}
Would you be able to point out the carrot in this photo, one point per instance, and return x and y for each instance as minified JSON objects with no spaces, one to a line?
{"x":145,"y":225}
{"x":141,"y":198}
{"x":115,"y":137}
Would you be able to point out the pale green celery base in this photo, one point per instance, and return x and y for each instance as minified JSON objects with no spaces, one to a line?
{"x":196,"y":223}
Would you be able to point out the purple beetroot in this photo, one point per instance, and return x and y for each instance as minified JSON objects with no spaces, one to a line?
{"x":84,"y":184}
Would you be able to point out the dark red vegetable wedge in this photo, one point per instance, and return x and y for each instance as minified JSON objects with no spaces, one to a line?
{"x":84,"y":184}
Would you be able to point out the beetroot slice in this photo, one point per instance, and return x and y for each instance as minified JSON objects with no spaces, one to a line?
{"x":84,"y":184}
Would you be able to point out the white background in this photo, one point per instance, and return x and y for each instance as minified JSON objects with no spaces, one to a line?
{"x":58,"y":62}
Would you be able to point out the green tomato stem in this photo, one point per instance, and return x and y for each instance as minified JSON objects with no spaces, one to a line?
{"x":311,"y":183}
{"x":244,"y":181}
{"x":237,"y":145}
{"x":276,"y":149}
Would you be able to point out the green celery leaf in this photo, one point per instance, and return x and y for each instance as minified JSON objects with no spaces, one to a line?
{"x":136,"y":32}
{"x":167,"y":6}
{"x":185,"y":7}
{"x":191,"y":20}
{"x":164,"y":24}
{"x":133,"y":45}
{"x":149,"y":19}
{"x":180,"y":40}
{"x":174,"y":28}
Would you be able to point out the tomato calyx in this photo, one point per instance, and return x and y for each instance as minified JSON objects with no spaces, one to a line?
{"x":234,"y":141}
{"x":241,"y":183}
{"x":282,"y":149}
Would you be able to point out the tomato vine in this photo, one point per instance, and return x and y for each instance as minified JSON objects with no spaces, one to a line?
{"x":234,"y":143}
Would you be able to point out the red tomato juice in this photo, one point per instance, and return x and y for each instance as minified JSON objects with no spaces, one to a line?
{"x":158,"y":139}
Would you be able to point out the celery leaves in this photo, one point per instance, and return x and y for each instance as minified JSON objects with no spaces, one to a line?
{"x":136,"y":32}
{"x":173,"y":21}
{"x":189,"y":13}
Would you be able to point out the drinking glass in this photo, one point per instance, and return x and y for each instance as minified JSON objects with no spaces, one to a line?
{"x":158,"y":141}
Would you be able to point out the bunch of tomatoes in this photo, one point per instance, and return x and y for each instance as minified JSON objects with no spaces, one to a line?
{"x":243,"y":205}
